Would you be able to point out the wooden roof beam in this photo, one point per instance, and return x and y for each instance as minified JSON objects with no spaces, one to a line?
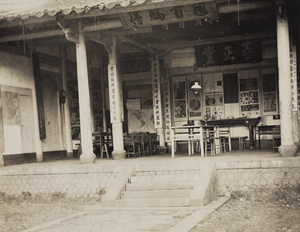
{"x":233,"y":7}
{"x":32,"y":20}
{"x":170,"y":45}
{"x":103,"y":25}
{"x":137,"y":44}
{"x":29,"y":36}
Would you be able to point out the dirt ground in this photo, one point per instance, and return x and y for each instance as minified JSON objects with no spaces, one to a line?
{"x":259,"y":210}
{"x":20,"y":213}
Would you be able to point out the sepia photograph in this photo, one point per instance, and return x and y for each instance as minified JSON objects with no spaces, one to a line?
{"x":150,"y":115}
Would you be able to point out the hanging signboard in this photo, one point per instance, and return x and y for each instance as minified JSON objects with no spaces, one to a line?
{"x":228,"y":53}
{"x":114,"y":100}
{"x":164,"y":16}
{"x":293,"y":75}
{"x":156,"y":95}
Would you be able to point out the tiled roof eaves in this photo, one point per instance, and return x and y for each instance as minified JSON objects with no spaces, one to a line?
{"x":65,"y":7}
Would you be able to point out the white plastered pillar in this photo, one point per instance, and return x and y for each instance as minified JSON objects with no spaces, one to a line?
{"x":86,"y":142}
{"x":287,"y":148}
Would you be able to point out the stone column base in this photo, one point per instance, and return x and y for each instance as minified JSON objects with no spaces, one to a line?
{"x":39,"y":158}
{"x":287,"y":150}
{"x":161,"y":149}
{"x":88,"y":158}
{"x":70,"y":155}
{"x":118,"y":155}
{"x":298,"y":146}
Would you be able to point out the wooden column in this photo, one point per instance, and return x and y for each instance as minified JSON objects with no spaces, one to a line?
{"x":115,"y":101}
{"x":86,"y":142}
{"x":89,"y":61}
{"x":287,"y":148}
{"x":38,"y":108}
{"x":67,"y":133}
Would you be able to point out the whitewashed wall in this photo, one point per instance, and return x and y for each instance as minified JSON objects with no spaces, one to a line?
{"x":16,"y":75}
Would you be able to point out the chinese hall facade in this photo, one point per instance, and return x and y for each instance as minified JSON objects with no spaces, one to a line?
{"x":68,"y":70}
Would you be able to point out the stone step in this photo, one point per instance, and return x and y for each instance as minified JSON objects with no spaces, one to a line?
{"x":163,"y":185}
{"x":155,"y":178}
{"x":161,"y":202}
{"x":184,"y":193}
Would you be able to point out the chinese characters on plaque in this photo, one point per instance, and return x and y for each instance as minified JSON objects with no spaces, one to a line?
{"x":164,"y":16}
{"x":228,"y":53}
{"x":156,"y":95}
{"x":114,"y":100}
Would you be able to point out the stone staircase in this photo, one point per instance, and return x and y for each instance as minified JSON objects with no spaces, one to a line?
{"x":158,"y":188}
{"x":163,"y":186}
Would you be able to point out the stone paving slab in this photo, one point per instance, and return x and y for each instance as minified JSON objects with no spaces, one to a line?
{"x":175,"y":219}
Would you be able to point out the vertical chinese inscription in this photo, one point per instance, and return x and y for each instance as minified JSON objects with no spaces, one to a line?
{"x":167,"y":110}
{"x":2,"y":143}
{"x":115,"y":116}
{"x":293,"y":75}
{"x":156,"y":95}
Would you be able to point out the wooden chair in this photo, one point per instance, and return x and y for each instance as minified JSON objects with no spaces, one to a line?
{"x":211,"y":140}
{"x":132,"y":145}
{"x":144,"y":144}
{"x":225,"y":139}
{"x":276,"y":138}
{"x":101,"y":142}
{"x":153,"y":143}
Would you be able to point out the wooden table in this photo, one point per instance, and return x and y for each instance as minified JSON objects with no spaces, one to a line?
{"x":249,"y":122}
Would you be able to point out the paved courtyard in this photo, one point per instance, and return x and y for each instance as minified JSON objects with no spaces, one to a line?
{"x":175,"y":219}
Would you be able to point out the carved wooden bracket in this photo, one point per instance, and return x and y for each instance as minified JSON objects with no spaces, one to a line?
{"x":69,"y":34}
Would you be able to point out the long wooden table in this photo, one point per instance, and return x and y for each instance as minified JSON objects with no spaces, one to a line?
{"x":249,"y":122}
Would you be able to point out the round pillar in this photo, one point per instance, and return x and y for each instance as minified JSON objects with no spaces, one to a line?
{"x":287,"y":148}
